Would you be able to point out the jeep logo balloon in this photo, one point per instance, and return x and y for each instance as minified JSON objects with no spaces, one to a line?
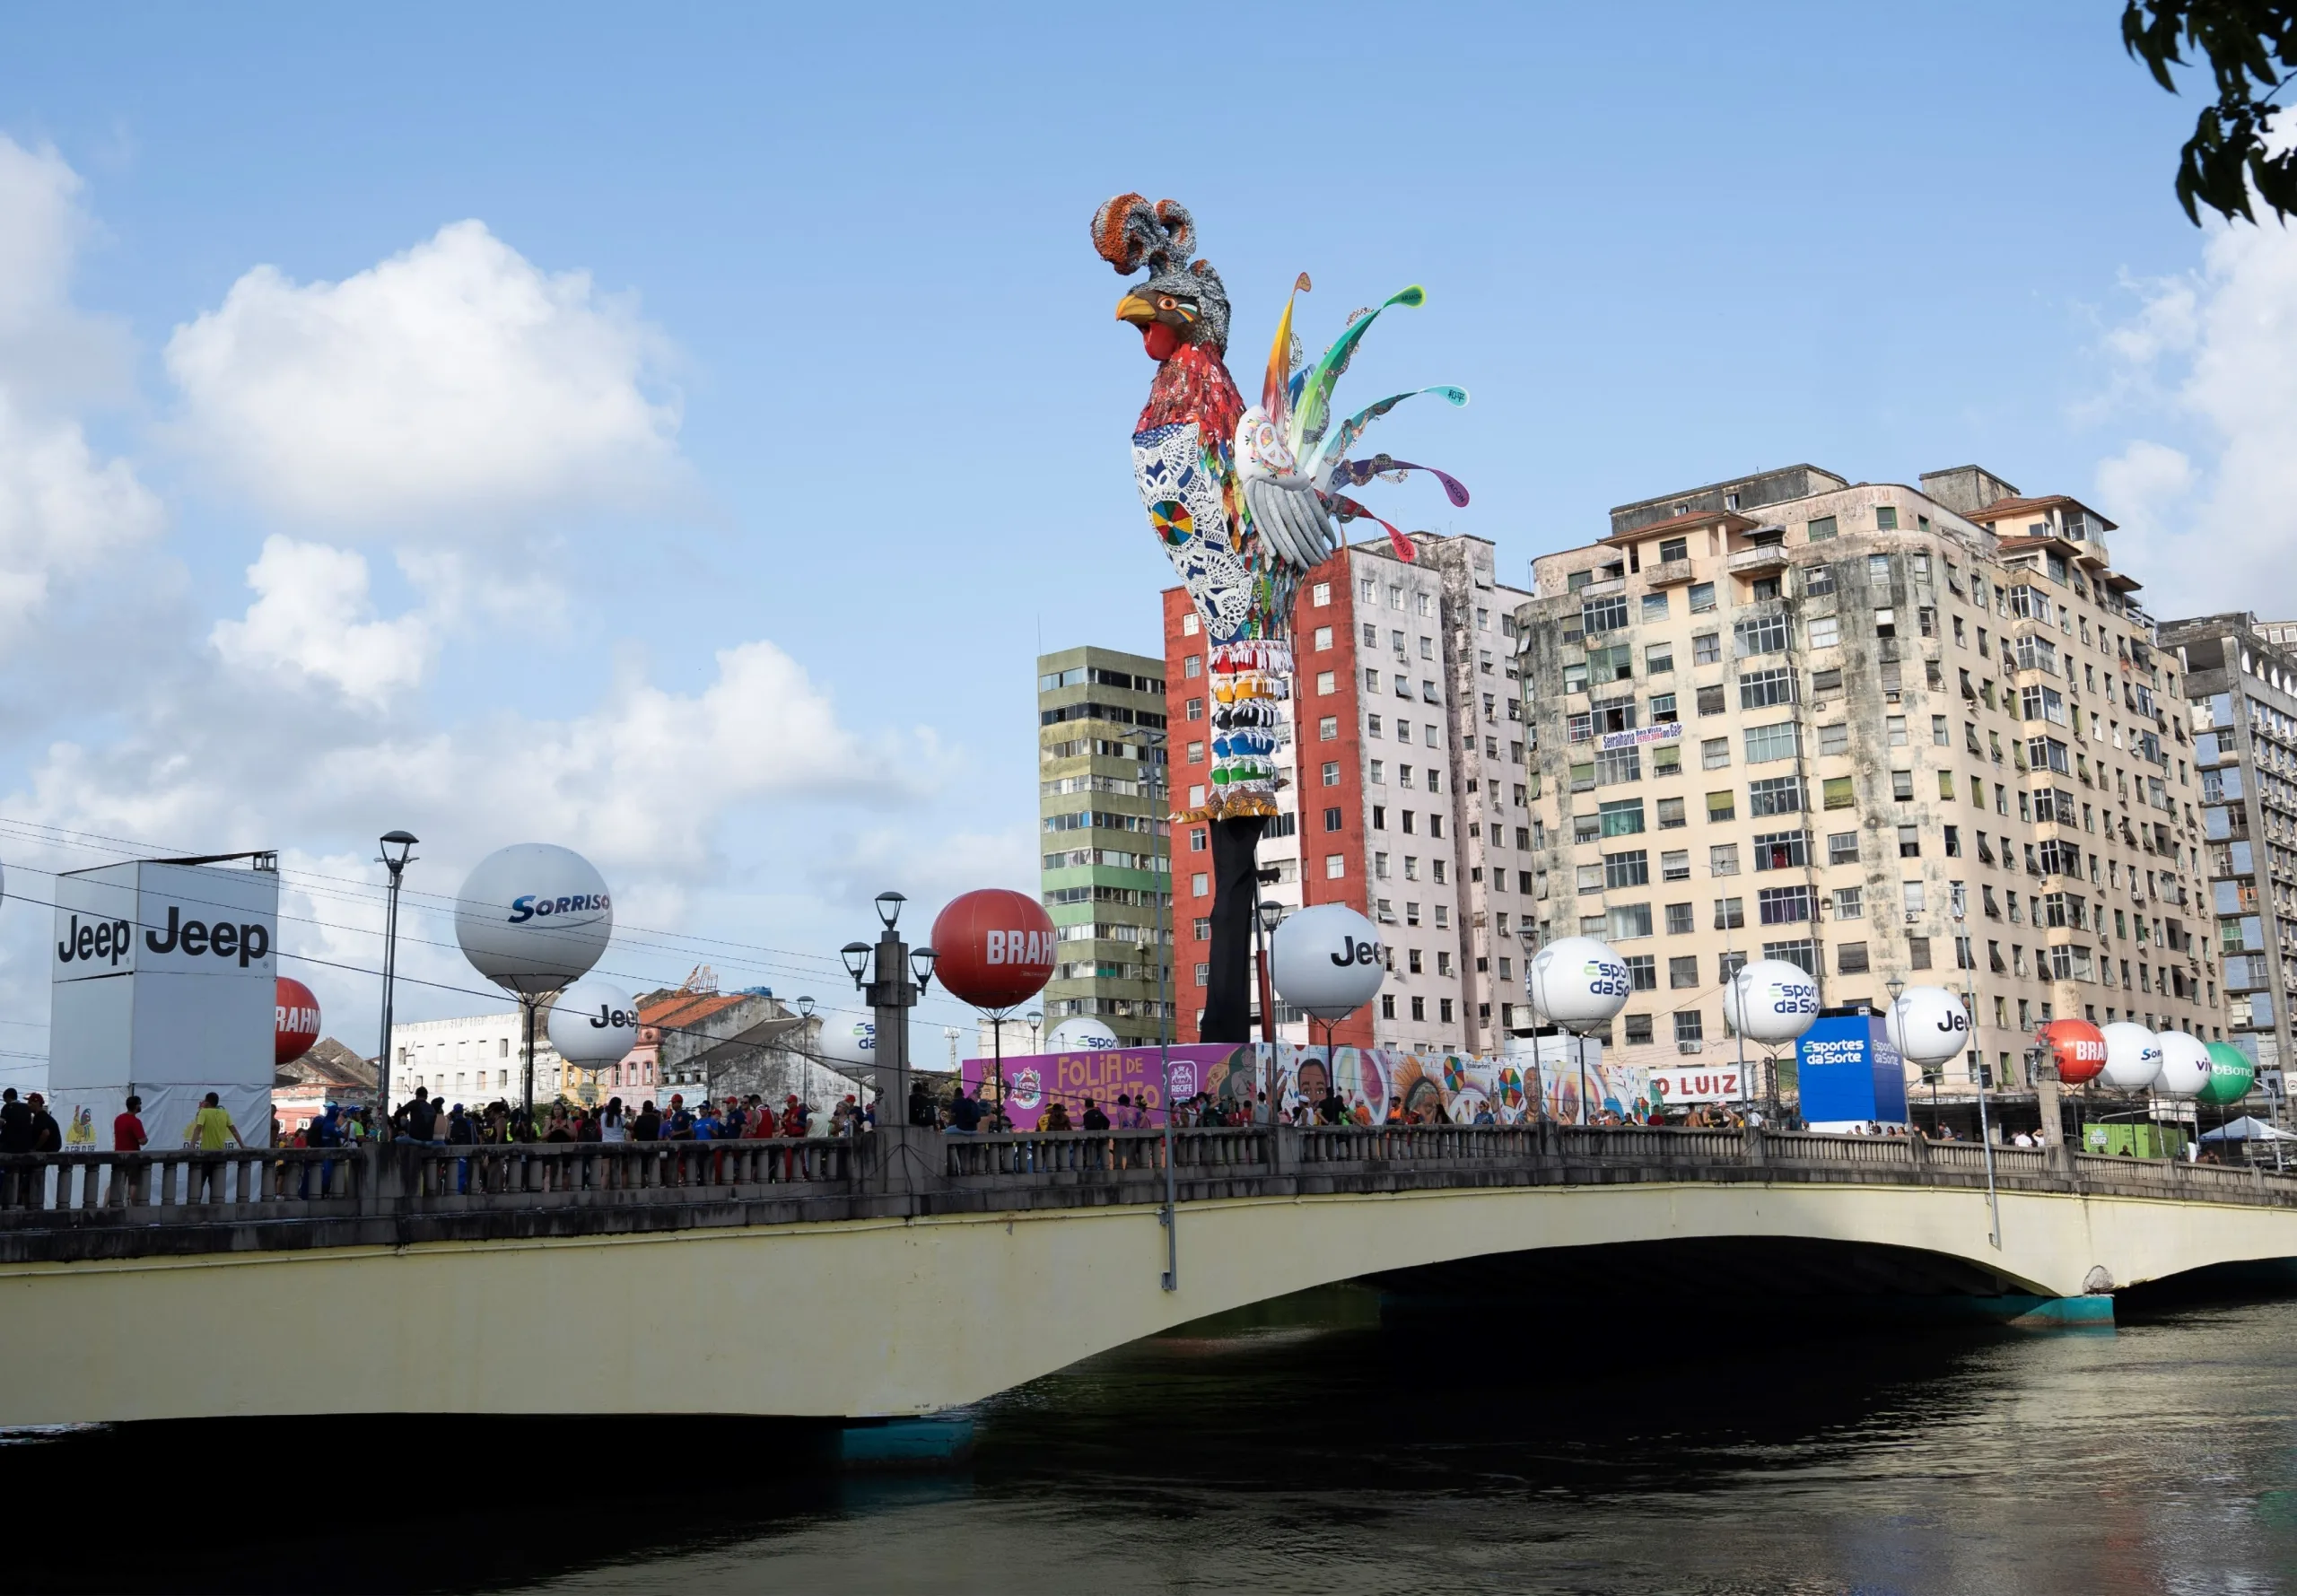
{"x":534,"y":917}
{"x":1579,"y":983}
{"x":1326,"y":960}
{"x":594,"y":1024}
{"x":1928,"y":1024}
{"x":1778,"y":1000}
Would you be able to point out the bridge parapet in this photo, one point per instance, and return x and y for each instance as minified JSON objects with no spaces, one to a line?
{"x":61,"y":1207}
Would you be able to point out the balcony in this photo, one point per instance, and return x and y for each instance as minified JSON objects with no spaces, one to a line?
{"x":1671,"y":573}
{"x":1768,"y":557}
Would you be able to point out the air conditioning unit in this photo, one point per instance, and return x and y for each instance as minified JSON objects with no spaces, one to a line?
{"x":1688,"y":1047}
{"x":1914,"y":917}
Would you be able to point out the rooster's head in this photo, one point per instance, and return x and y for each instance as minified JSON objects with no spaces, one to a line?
{"x":1181,"y":303}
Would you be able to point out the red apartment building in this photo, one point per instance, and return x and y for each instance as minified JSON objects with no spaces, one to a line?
{"x":1406,"y":782}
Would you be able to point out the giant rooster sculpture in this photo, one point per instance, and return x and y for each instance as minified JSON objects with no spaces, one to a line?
{"x":1245,"y":501}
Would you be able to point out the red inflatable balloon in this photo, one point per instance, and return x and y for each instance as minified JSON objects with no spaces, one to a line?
{"x":995,"y":948}
{"x":2078,"y":1046}
{"x":296,"y":1019}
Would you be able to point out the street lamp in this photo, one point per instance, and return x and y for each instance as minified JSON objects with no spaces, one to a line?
{"x":889,"y":908}
{"x":856,"y":955}
{"x":891,"y":990}
{"x":1036,"y":1016}
{"x":395,"y":859}
{"x":1149,"y":741}
{"x":805,"y":1009}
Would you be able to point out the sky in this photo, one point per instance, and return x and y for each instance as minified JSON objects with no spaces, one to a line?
{"x":673,"y":431}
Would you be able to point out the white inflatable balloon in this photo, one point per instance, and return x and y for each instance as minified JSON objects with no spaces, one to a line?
{"x":2185,"y":1065}
{"x":1579,"y":983}
{"x":1928,"y":1024}
{"x":2133,"y":1057}
{"x":594,"y":1024}
{"x":1781,"y":1001}
{"x":534,"y":917}
{"x":1081,"y":1034}
{"x":847,"y":1038}
{"x":1327,"y":960}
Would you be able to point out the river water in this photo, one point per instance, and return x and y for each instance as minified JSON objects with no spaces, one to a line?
{"x":1315,"y":1446}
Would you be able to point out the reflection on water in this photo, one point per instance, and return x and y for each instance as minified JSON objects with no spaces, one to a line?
{"x":1311,"y":1447}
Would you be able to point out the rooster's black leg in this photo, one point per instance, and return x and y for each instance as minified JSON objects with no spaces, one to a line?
{"x":1227,"y":999}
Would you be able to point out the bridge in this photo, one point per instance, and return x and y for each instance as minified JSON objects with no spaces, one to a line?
{"x":910,"y":1273}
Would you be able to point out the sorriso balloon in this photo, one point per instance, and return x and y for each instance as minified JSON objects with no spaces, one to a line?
{"x":593,"y":1024}
{"x":1781,"y":1001}
{"x":1579,"y":983}
{"x":2078,"y":1047}
{"x":993,"y":948}
{"x":2133,"y":1056}
{"x":1928,"y":1024}
{"x":2231,"y":1074}
{"x":2185,"y":1065}
{"x":534,"y":917}
{"x":295,"y":1020}
{"x":1081,"y":1034}
{"x":1327,"y":961}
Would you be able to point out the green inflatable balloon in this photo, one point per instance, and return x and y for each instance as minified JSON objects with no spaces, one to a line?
{"x":2231,"y":1074}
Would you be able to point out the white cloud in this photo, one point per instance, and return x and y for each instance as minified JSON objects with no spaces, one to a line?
{"x":2209,"y":525}
{"x":445,"y":391}
{"x":49,"y":349}
{"x":64,"y":513}
{"x":310,"y":618}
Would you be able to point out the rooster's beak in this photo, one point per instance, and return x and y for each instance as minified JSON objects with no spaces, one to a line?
{"x":1136,"y":310}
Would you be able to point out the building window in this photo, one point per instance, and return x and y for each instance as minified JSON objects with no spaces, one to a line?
{"x":1193,"y":665}
{"x":1783,"y":905}
{"x":1332,"y":820}
{"x":1729,"y":915}
{"x":1825,"y":631}
{"x":1909,"y":842}
{"x":1886,"y":520}
{"x":1196,"y":839}
{"x":1676,"y":866}
{"x":1629,"y":921}
{"x":1638,"y":1029}
{"x":1188,"y":625}
{"x":1387,"y":1005}
{"x":1643,"y":972}
{"x":1196,"y":709}
{"x":1681,"y":972}
{"x":1723,"y":860}
{"x":1766,"y":744}
{"x":1319,"y":596}
{"x":1783,"y":851}
{"x":1714,"y":753}
{"x":1335,"y":866}
{"x":1774,"y":795}
{"x":1760,"y":689}
{"x":1200,"y":884}
{"x":1331,"y":773}
{"x":1759,"y":635}
{"x":1679,"y":923}
{"x":1820,"y":530}
{"x":1204,"y":975}
{"x":1721,"y":806}
{"x":1849,"y":902}
{"x":1917,"y":953}
{"x":1702,"y":597}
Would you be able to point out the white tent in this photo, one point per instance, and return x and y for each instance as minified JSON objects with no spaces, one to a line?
{"x":2248,"y":1129}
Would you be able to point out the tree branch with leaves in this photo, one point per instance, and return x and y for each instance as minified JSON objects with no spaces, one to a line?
{"x":2252,"y":48}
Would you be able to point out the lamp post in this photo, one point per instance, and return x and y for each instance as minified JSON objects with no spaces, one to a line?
{"x":890,"y":977}
{"x":1149,"y":741}
{"x":1529,"y":939}
{"x":1036,"y":1016}
{"x":1267,"y":915}
{"x":395,"y":859}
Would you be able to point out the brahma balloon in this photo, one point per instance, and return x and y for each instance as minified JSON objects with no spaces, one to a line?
{"x":1081,"y":1034}
{"x":2231,"y":1075}
{"x":1928,"y":1024}
{"x":295,"y":1020}
{"x":2133,"y":1056}
{"x":993,"y":948}
{"x":2185,"y":1065}
{"x":534,"y":917}
{"x":1326,"y":961}
{"x":2077,"y":1047}
{"x":594,"y":1024}
{"x":1579,"y":983}
{"x":1780,"y":999}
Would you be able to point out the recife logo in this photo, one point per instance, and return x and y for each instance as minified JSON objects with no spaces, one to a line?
{"x":533,"y":907}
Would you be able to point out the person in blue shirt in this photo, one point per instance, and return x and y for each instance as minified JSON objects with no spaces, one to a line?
{"x":706,"y":1126}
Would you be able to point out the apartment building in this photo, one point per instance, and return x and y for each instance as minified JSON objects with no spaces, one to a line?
{"x":2241,"y":684}
{"x":1876,"y":731}
{"x":1406,"y":787}
{"x":1101,"y":809}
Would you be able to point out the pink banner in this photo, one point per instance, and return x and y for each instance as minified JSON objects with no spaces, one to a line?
{"x":1034,"y":1080}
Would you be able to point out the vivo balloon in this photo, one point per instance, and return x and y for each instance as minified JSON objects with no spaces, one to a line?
{"x":2185,"y":1065}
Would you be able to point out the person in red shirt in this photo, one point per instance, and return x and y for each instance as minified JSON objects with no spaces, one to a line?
{"x":127,"y":1133}
{"x":128,"y":1136}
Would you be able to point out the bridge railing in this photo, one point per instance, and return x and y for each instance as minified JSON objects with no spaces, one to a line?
{"x":290,"y":1182}
{"x":618,"y":1172}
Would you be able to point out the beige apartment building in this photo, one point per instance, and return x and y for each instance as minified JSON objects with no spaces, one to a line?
{"x":1876,"y":731}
